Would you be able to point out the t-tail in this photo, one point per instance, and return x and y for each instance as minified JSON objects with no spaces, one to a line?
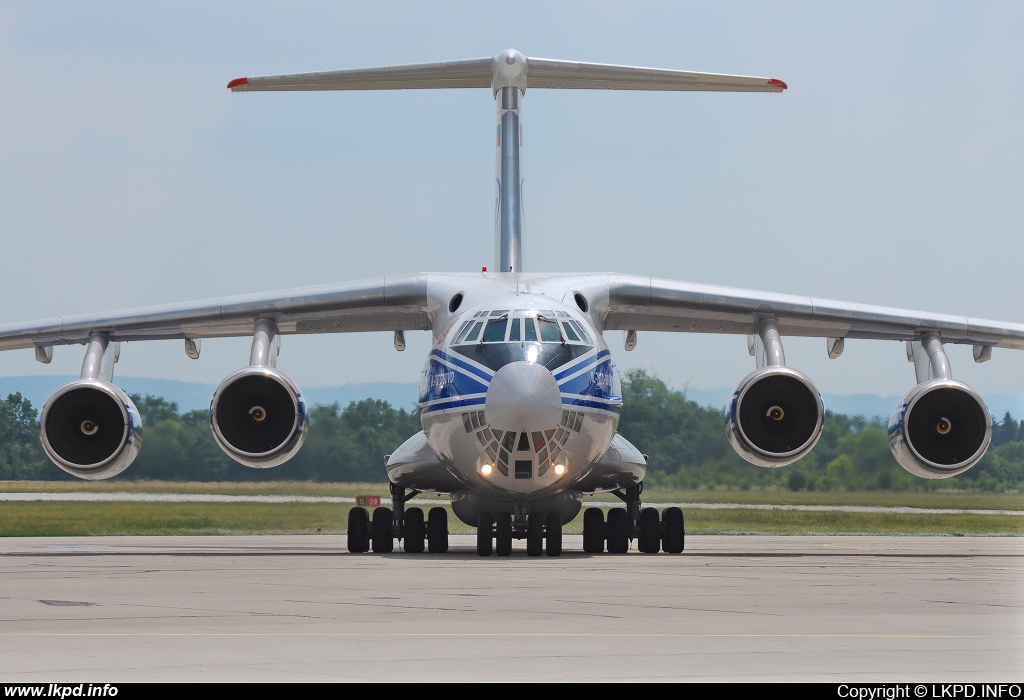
{"x":507,"y":75}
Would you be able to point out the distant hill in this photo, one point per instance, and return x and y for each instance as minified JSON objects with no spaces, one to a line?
{"x":196,"y":395}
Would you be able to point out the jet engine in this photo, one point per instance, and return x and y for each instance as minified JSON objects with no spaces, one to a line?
{"x":90,"y":429}
{"x":941,"y":428}
{"x":258,"y":417}
{"x":775,"y":417}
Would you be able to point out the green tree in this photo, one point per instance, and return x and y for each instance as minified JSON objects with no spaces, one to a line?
{"x":683,"y":441}
{"x":350,"y":444}
{"x":21,"y":455}
{"x":1005,"y":431}
{"x":154,"y":409}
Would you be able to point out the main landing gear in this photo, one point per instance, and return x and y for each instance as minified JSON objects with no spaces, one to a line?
{"x":379,"y":531}
{"x":496,"y":533}
{"x":651,"y":531}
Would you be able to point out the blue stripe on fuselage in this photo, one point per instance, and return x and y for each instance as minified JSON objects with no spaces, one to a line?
{"x":451,"y":382}
{"x":574,"y":366}
{"x":595,"y":382}
{"x":483,"y":374}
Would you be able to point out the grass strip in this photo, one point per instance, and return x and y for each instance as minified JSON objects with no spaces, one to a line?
{"x":70,"y":519}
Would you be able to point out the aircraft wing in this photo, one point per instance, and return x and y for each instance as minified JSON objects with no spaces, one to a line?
{"x":383,"y":304}
{"x":650,"y":304}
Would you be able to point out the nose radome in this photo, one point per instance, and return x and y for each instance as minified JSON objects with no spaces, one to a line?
{"x":523,"y":396}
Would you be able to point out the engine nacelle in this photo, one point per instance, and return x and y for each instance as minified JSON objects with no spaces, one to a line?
{"x":90,"y":429}
{"x":258,"y":417}
{"x":775,"y":417}
{"x":940,"y":429}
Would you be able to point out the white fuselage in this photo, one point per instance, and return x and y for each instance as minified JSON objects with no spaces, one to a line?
{"x":519,"y":401}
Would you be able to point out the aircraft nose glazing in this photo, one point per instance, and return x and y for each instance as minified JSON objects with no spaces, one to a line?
{"x":523,"y":396}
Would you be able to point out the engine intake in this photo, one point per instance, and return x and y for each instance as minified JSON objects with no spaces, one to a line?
{"x":258,"y":417}
{"x":90,"y":429}
{"x":775,"y":417}
{"x":940,"y":429}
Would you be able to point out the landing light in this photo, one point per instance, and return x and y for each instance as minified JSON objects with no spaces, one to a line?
{"x":559,"y":469}
{"x":486,"y":469}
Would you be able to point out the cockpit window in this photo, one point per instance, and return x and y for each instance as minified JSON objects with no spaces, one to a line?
{"x":475,"y":333}
{"x":531,"y":329}
{"x":495,"y":331}
{"x":462,"y":332}
{"x":549,"y":332}
{"x":584,"y":336}
{"x":522,"y":326}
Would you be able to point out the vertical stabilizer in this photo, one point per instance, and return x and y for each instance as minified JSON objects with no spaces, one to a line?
{"x":509,"y":86}
{"x":507,"y":75}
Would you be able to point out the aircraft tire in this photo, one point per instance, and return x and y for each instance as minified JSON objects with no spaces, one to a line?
{"x":484,"y":539}
{"x":649,"y":540}
{"x":503,"y":535}
{"x":534,"y":535}
{"x":593,"y":531}
{"x":675,"y":530}
{"x":414,"y":531}
{"x":358,"y":530}
{"x":437,"y":530}
{"x":618,"y":531}
{"x":554,"y":535}
{"x":380,"y":531}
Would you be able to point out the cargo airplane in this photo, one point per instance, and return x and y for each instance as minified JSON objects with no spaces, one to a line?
{"x":519,"y":397}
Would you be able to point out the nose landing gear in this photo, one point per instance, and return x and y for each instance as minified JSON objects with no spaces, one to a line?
{"x":496,"y":533}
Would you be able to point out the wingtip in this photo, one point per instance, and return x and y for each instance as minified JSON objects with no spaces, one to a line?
{"x":236,"y":82}
{"x":775,"y":82}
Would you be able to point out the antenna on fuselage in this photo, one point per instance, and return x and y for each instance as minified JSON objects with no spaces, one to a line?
{"x":508,"y":74}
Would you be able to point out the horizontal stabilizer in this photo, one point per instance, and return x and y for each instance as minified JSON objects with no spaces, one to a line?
{"x":474,"y":73}
{"x":492,"y":73}
{"x":548,"y":73}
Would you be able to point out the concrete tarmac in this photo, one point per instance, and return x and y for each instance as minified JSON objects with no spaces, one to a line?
{"x":302,"y":609}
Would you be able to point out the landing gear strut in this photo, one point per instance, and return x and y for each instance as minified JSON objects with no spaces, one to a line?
{"x":624,"y":523}
{"x":652,"y":533}
{"x":409,"y":525}
{"x":378,"y":532}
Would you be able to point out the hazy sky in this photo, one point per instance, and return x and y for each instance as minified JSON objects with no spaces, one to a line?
{"x":891,"y":172}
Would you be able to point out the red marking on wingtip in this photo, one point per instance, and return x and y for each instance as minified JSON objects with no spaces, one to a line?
{"x":238,"y":81}
{"x":777,"y":83}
